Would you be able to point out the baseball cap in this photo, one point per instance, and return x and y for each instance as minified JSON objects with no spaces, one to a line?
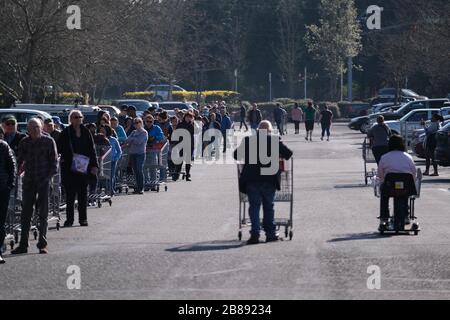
{"x":9,"y":118}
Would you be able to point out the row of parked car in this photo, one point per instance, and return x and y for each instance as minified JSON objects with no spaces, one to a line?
{"x":25,"y":112}
{"x":406,"y":120}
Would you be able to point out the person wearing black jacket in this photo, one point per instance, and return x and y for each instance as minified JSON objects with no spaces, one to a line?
{"x":254,"y":117}
{"x":7,"y":180}
{"x":259,"y":186}
{"x":76,"y":139}
{"x":186,"y":124}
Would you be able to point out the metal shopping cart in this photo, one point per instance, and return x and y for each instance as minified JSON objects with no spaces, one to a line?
{"x":368,"y":158}
{"x":155,"y":167}
{"x":285,"y":195}
{"x":124,"y":175}
{"x":12,"y":220}
{"x":104,"y":190}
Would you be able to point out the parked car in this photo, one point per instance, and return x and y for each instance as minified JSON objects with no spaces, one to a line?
{"x":171,"y":106}
{"x":140,"y":105}
{"x":414,"y":119}
{"x":53,"y":109}
{"x":407,"y":108}
{"x":418,"y":138}
{"x":23,"y":116}
{"x":404,"y":93}
{"x":113,"y":111}
{"x":443,"y":146}
{"x":161,"y":91}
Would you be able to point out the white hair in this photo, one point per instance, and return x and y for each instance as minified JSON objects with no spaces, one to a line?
{"x":266,"y":125}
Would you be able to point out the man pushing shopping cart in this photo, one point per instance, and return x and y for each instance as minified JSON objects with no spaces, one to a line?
{"x":260,"y":178}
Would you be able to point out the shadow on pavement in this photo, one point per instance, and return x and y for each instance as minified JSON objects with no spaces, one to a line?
{"x":431,"y":181}
{"x":351,"y":186}
{"x":360,"y":236}
{"x":208,"y":246}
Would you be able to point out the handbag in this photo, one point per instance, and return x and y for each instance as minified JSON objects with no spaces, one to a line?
{"x":80,"y":163}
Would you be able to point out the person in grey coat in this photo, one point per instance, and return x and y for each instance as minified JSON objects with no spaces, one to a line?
{"x":7,"y":180}
{"x":379,"y":136}
{"x":137,"y":143}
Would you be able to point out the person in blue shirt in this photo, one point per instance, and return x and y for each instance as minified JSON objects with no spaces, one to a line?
{"x":120,"y":131}
{"x":225,"y":124}
{"x":116,"y":153}
{"x":155,"y":137}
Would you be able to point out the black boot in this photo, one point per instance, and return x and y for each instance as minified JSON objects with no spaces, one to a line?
{"x":188,"y":172}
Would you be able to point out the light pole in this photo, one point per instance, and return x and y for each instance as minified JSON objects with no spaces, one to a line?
{"x":306,"y":83}
{"x":270,"y":86}
{"x":350,"y":79}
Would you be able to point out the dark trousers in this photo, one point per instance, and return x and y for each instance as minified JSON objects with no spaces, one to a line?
{"x":297,"y":127}
{"x":431,"y":160}
{"x":34,"y":193}
{"x":326,"y":129}
{"x":178,"y":169}
{"x":379,"y":152}
{"x":262,"y":194}
{"x":400,"y":207}
{"x":243,"y":123}
{"x":280,"y":127}
{"x":4,"y":202}
{"x":76,"y":188}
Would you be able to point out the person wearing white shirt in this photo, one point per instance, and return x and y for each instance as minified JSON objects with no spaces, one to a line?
{"x":395,"y":161}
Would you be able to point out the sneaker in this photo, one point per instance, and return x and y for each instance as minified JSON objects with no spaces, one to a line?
{"x":1,"y":259}
{"x":306,"y":138}
{"x":84,"y":224}
{"x":328,"y":139}
{"x":253,"y":240}
{"x":43,"y":251}
{"x":321,"y":138}
{"x":19,"y":250}
{"x":426,"y":173}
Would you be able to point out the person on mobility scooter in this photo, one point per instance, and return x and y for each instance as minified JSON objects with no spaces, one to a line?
{"x":397,"y":174}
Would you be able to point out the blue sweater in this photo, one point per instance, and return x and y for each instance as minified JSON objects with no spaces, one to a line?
{"x":116,"y":150}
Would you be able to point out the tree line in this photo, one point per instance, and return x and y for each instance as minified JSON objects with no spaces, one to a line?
{"x":222,"y":44}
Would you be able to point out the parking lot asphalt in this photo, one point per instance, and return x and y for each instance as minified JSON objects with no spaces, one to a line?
{"x":183,"y":244}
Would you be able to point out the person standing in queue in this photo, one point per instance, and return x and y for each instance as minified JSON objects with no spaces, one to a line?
{"x":188,"y":125}
{"x":379,"y":136}
{"x":38,"y":160}
{"x":78,"y":162}
{"x":7,"y":181}
{"x":259,"y":187}
{"x":137,"y":143}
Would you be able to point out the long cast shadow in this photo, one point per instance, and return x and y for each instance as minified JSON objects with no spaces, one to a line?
{"x":433,"y":181}
{"x":360,"y":236}
{"x":208,"y":246}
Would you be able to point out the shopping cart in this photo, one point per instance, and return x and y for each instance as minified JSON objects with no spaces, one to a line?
{"x":368,"y":158}
{"x":12,"y":221}
{"x":104,"y":190}
{"x":155,"y":167}
{"x":54,"y":199}
{"x":285,"y":195}
{"x":390,"y":226}
{"x":124,"y":175}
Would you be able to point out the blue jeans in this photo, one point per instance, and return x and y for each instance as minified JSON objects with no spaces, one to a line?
{"x":262,"y":193}
{"x":113,"y":176}
{"x":138,"y":161}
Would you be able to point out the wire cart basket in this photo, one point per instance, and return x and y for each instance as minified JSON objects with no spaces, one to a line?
{"x":285,"y":195}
